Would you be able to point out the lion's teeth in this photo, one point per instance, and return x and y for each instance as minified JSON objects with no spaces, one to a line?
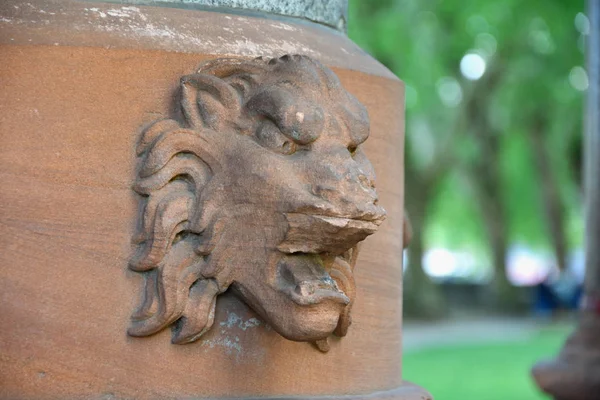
{"x":308,"y":288}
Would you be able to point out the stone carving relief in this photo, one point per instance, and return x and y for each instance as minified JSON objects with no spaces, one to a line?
{"x":259,"y":186}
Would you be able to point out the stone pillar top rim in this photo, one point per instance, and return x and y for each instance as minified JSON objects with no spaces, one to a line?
{"x":333,"y":13}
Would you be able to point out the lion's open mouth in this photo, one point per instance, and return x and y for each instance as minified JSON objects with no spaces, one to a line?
{"x":305,"y":279}
{"x":309,"y":233}
{"x":316,"y":291}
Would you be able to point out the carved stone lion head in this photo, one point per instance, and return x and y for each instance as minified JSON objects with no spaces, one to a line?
{"x":262,"y":188}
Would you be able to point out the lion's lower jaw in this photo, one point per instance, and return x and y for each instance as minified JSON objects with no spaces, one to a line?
{"x":310,"y":324}
{"x":311,"y":316}
{"x":301,"y":323}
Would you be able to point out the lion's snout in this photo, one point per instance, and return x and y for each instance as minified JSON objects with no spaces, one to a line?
{"x":355,"y":198}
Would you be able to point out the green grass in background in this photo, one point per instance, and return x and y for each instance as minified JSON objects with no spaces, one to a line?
{"x":492,"y":371}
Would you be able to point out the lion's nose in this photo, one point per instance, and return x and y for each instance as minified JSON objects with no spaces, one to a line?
{"x":366,"y":182}
{"x":368,"y":186}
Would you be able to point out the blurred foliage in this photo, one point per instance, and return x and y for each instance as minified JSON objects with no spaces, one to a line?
{"x":533,"y":49}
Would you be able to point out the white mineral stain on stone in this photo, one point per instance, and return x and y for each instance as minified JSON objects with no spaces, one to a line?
{"x":118,"y":13}
{"x":229,"y":341}
{"x":225,"y":342}
{"x":97,"y":11}
{"x":234,"y":320}
{"x":121,"y":13}
{"x":283,"y":26}
{"x":246,"y":47}
{"x":135,"y":25}
{"x":331,"y":12}
{"x":39,"y":10}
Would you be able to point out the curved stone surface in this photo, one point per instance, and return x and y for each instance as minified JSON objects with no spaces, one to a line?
{"x":107,"y":25}
{"x":329,"y":12}
{"x":80,"y":81}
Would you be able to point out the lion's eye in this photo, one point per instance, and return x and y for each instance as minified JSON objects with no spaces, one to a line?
{"x":352,"y":149}
{"x":268,"y":135}
{"x":288,"y":147}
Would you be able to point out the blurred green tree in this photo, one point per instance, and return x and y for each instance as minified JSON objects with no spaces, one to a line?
{"x":493,"y":104}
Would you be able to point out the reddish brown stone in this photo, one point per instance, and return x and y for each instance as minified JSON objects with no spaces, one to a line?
{"x":80,"y":82}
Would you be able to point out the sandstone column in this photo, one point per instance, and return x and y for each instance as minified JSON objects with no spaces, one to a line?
{"x":199,"y":200}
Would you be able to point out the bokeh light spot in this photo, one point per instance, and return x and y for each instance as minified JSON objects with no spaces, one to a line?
{"x":449,"y":91}
{"x":582,"y":23}
{"x":472,"y":66}
{"x":578,"y":78}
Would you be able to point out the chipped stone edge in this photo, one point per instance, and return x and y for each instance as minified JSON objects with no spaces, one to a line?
{"x":333,"y":13}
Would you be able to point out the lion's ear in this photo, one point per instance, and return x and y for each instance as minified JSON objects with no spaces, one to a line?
{"x":209,"y":102}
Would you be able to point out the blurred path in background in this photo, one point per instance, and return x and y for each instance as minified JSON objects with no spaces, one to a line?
{"x":423,"y":335}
